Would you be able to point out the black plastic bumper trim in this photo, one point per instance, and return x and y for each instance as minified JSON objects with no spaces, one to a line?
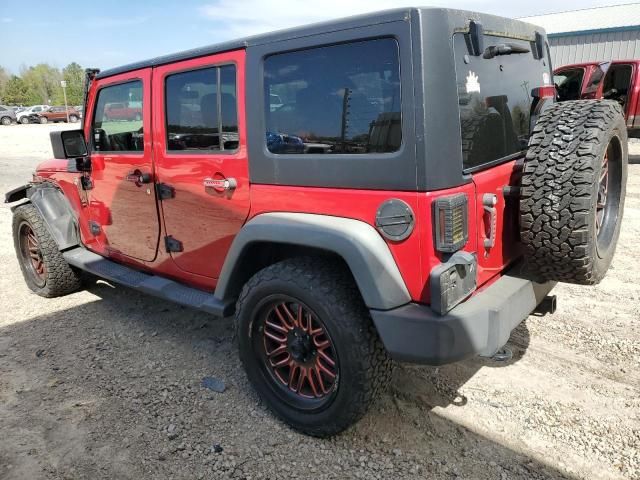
{"x":480,"y":326}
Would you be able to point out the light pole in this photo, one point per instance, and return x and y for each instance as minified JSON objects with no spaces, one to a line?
{"x":63,"y":84}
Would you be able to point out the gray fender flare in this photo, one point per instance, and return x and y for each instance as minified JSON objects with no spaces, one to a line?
{"x":356,"y":242}
{"x":53,"y":206}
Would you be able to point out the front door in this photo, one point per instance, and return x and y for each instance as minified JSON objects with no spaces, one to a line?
{"x":201,"y":156}
{"x":123,"y":211}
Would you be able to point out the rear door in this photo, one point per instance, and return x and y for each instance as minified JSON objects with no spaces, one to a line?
{"x":123,"y":210}
{"x":497,"y":98}
{"x":201,"y":155}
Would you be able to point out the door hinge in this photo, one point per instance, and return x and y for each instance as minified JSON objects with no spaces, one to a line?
{"x":164,"y":191}
{"x":172,"y":244}
{"x":86,"y":182}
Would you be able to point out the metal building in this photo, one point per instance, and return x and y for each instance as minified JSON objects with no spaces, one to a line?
{"x":602,"y":33}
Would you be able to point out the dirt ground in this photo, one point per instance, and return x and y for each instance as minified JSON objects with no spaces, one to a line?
{"x":105,"y":384}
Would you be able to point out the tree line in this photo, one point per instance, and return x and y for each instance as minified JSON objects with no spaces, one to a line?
{"x":40,"y":85}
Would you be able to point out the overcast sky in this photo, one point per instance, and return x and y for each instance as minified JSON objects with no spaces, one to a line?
{"x":106,"y":33}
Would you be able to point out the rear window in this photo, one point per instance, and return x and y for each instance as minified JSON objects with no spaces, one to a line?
{"x":494,"y":96}
{"x":335,"y":99}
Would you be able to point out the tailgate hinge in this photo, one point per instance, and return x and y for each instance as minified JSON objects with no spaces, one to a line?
{"x":172,"y":245}
{"x":164,"y":191}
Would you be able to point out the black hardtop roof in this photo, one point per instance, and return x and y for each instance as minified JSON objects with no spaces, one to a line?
{"x":375,"y":18}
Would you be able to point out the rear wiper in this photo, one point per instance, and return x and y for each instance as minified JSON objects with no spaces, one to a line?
{"x":504,"y":49}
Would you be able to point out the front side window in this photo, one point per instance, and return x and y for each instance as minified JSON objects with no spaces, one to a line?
{"x":334,"y":99}
{"x":201,"y":110}
{"x":117,"y":121}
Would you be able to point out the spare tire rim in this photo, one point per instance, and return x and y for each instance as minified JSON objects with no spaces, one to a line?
{"x":603,"y":188}
{"x":298,"y":353}
{"x":32,"y":254}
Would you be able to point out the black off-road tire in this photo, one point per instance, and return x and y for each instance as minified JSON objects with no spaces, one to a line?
{"x":327,"y":288}
{"x":59,"y":278}
{"x":568,"y":236}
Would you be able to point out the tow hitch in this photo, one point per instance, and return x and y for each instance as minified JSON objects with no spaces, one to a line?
{"x":547,"y":305}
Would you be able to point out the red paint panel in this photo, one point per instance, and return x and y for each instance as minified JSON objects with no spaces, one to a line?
{"x":492,"y":261}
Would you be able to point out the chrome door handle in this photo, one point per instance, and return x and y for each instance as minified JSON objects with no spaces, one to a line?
{"x":220,"y":184}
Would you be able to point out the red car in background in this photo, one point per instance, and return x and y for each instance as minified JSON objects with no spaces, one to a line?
{"x":617,"y":80}
{"x":122,"y":111}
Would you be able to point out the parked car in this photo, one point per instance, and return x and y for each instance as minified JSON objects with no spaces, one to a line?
{"x":21,"y":116}
{"x":618,"y":80}
{"x":7,"y":115}
{"x":59,"y":114}
{"x":122,"y":111}
{"x":442,"y":211}
{"x":31,"y":118}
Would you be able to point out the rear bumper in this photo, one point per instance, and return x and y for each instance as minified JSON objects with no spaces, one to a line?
{"x":479,"y":326}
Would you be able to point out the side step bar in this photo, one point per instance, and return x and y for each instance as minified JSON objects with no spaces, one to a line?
{"x":158,"y":286}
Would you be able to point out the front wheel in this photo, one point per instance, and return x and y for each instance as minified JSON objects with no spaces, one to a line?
{"x":43,"y":120}
{"x":73,"y":118}
{"x":308,"y":345}
{"x":24,"y":120}
{"x":5,"y":121}
{"x":44,"y":268}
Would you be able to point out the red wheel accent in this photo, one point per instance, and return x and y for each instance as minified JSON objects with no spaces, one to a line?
{"x":603,"y":188}
{"x":32,"y":255}
{"x":298,"y":351}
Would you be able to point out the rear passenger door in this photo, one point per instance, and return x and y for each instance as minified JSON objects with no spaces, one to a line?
{"x":201,"y":155}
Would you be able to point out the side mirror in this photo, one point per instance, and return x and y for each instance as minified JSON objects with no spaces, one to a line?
{"x":68,"y":144}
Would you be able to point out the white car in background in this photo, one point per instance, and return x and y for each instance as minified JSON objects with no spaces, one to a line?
{"x":23,"y":116}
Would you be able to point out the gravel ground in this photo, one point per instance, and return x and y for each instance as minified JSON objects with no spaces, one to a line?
{"x":105,"y":384}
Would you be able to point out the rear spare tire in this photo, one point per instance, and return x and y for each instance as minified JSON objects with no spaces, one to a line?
{"x":573,"y":189}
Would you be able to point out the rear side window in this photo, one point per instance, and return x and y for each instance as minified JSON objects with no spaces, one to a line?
{"x":117,"y":121}
{"x":201,"y":110}
{"x":569,"y":83}
{"x":495,"y":98}
{"x":335,"y":99}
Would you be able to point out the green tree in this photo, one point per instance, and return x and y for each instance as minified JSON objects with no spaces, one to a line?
{"x":15,"y":92}
{"x":73,"y":74}
{"x":4,"y":78}
{"x":43,"y":83}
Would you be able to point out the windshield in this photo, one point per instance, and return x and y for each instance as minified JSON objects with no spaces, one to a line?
{"x":495,"y":97}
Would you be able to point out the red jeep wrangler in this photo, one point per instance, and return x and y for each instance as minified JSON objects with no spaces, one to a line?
{"x":618,"y":80}
{"x":397,"y":185}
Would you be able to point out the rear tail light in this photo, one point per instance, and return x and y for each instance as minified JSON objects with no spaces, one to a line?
{"x":548,"y":91}
{"x":451,"y":222}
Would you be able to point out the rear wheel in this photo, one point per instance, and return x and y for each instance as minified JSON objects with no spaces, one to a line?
{"x":573,"y":189}
{"x":44,"y":268}
{"x":73,"y":118}
{"x":308,"y":345}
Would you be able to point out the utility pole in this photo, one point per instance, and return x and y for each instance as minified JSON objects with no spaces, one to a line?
{"x":63,"y":84}
{"x":345,"y":121}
